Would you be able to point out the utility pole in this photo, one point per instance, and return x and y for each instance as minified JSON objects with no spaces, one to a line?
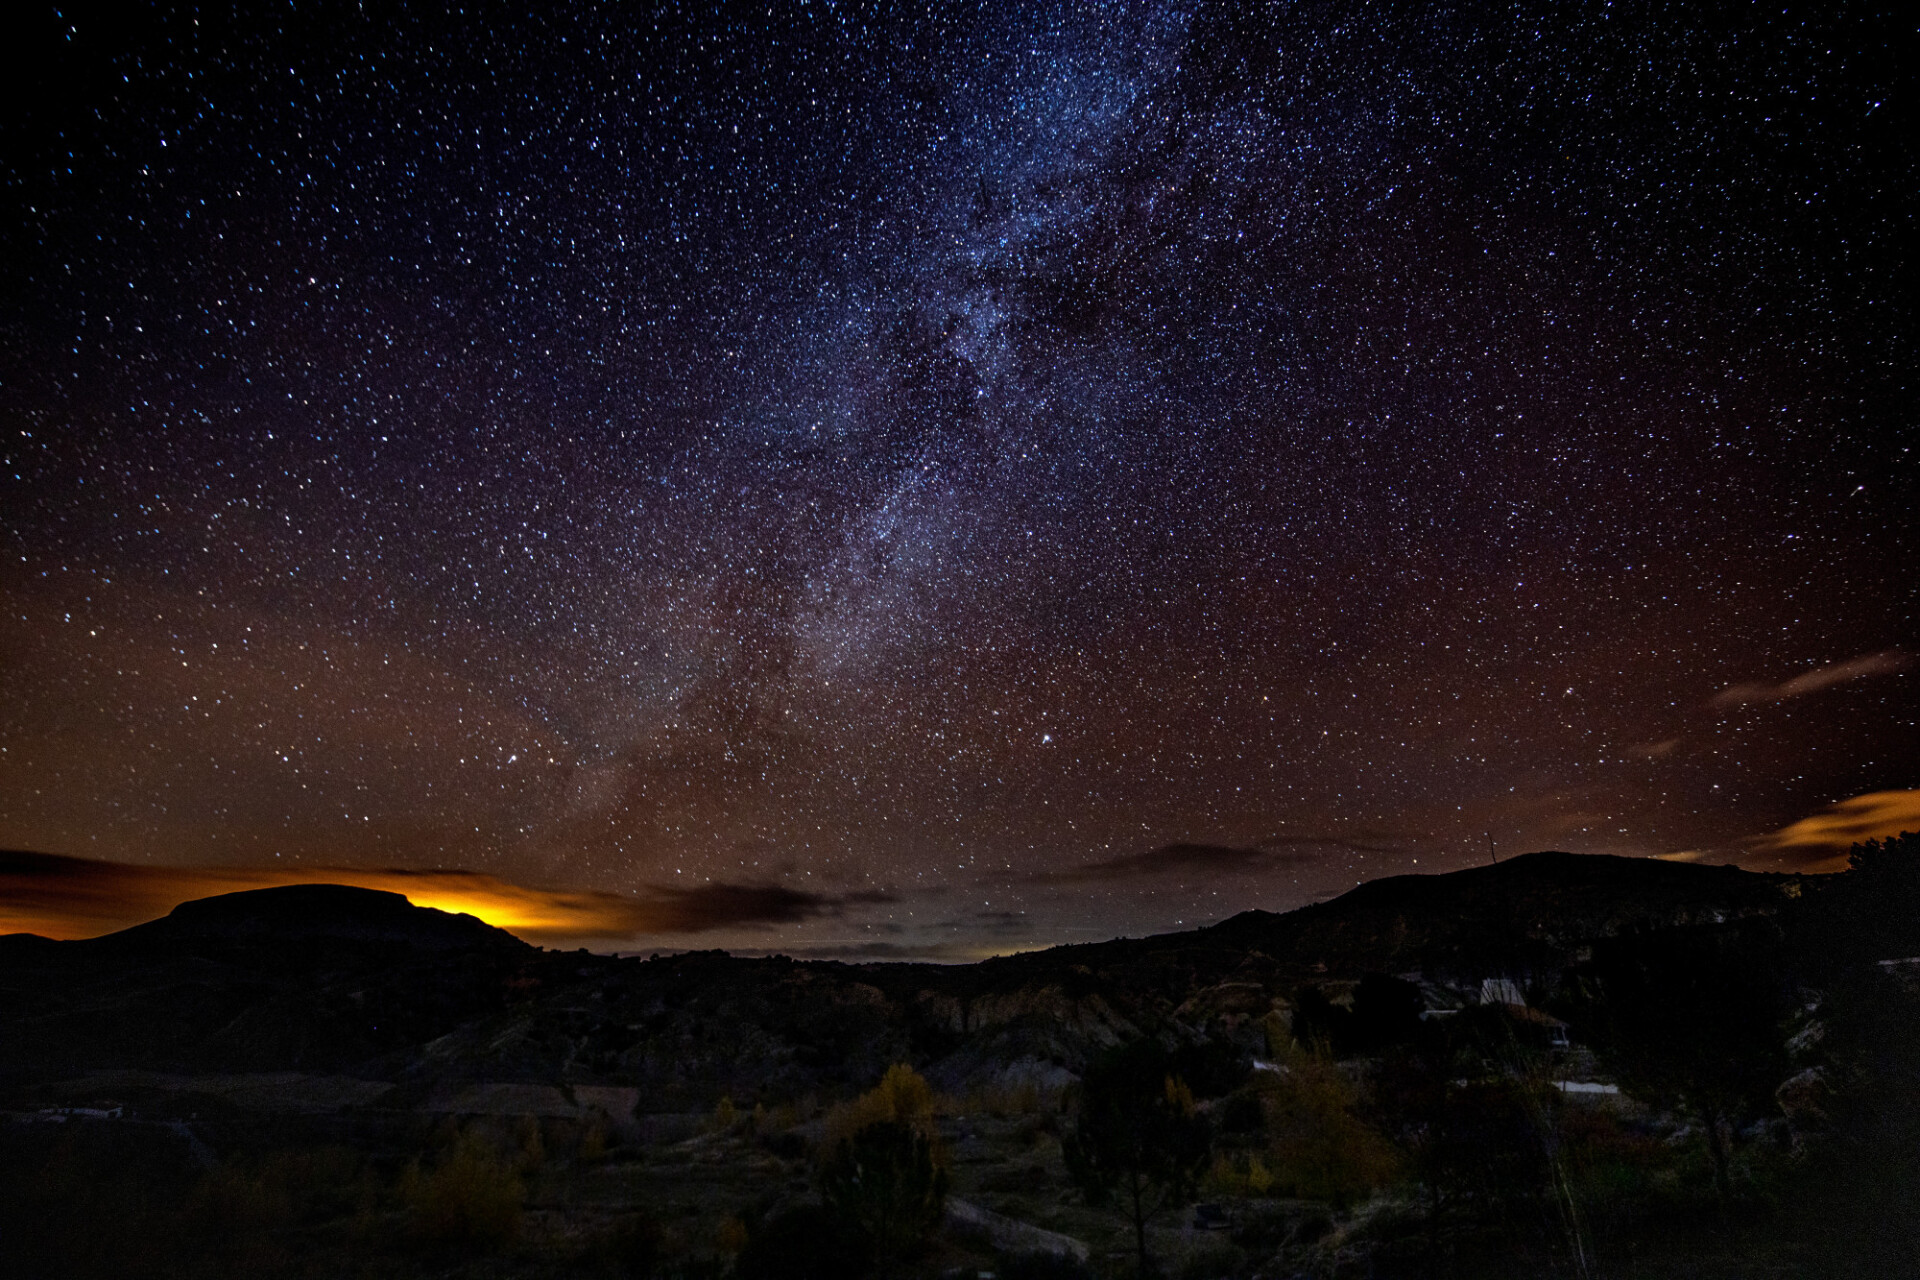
{"x":1490,"y":852}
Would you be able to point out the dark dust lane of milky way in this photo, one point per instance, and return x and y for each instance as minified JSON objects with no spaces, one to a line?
{"x":941,"y":479}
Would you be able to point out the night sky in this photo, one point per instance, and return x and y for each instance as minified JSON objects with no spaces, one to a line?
{"x":930,"y":481}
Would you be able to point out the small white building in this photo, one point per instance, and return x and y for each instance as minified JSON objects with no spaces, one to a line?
{"x":1502,"y":991}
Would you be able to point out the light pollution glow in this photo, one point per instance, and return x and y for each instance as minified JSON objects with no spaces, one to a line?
{"x":68,"y":898}
{"x":1873,"y":816}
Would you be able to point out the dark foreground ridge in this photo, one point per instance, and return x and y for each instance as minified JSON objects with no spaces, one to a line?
{"x":345,"y":979}
{"x":1716,"y":1068}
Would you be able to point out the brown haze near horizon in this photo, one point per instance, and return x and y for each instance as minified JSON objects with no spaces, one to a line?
{"x":68,"y":898}
{"x":916,"y":482}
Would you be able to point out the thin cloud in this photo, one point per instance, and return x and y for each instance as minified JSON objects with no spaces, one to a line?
{"x":1175,"y":859}
{"x":1006,"y":923}
{"x":881,"y":951}
{"x":1866,"y":666}
{"x":1683,"y":855}
{"x":1359,"y":842}
{"x":951,"y":952}
{"x":724,"y":906}
{"x":62,"y":897}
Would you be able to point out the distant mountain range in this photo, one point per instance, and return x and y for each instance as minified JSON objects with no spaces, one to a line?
{"x":326,"y":978}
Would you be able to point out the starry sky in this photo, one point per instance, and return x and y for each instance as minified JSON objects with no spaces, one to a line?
{"x":932,"y":480}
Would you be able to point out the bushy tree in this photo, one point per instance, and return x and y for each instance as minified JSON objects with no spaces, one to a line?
{"x":1386,"y":1012}
{"x":1319,"y":1025}
{"x":902,"y":1097}
{"x":1319,"y":1146}
{"x":471,"y":1200}
{"x":1691,"y":1017}
{"x":1894,"y":861}
{"x":1864,"y":1165}
{"x":884,"y":1182}
{"x":1136,"y":1134}
{"x":1883,"y":883}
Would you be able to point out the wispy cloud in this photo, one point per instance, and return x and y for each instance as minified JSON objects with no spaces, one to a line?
{"x":1833,"y":830}
{"x":723,"y":906}
{"x":1867,"y":665}
{"x":927,"y":952}
{"x":1355,"y":842}
{"x":1203,"y":860}
{"x":63,"y":897}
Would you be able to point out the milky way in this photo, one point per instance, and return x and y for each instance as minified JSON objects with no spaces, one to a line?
{"x":932,"y":461}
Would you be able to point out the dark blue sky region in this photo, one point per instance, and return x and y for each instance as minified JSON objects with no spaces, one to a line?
{"x":938,"y":458}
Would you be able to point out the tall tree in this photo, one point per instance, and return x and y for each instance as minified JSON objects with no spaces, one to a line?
{"x":1883,"y":883}
{"x":1138,"y":1135}
{"x":1692,"y":1017}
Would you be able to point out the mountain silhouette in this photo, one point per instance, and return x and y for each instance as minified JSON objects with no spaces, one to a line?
{"x":327,"y":977}
{"x":316,"y":911}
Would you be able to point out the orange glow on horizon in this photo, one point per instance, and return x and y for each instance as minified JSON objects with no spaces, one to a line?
{"x":68,"y":898}
{"x":1873,"y":816}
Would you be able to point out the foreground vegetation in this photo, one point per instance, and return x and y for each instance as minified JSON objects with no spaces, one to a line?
{"x":1767,"y":1123}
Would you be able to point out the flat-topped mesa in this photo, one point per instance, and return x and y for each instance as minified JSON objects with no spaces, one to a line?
{"x":321,"y":911}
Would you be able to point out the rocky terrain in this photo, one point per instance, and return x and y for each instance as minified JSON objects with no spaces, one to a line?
{"x":323,"y":978}
{"x":654,"y":1114}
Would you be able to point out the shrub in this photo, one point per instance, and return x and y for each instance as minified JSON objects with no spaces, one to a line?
{"x":1320,"y":1149}
{"x":592,"y":1146}
{"x":1319,"y":1025}
{"x":471,"y":1201}
{"x":885,"y":1182}
{"x":234,"y":1218}
{"x":809,"y":1242}
{"x":632,"y":1248}
{"x":1008,"y":1098}
{"x":1239,"y":1174}
{"x":901,"y":1097}
{"x":1483,"y":1143}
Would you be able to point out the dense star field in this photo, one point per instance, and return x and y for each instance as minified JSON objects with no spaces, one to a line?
{"x":871,"y":479}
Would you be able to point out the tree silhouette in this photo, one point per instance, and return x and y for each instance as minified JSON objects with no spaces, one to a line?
{"x":1136,"y":1134}
{"x":884,"y":1181}
{"x":1692,"y":1016}
{"x":1386,"y":1012}
{"x":1883,"y":883}
{"x":1319,"y":1025}
{"x":1893,"y":861}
